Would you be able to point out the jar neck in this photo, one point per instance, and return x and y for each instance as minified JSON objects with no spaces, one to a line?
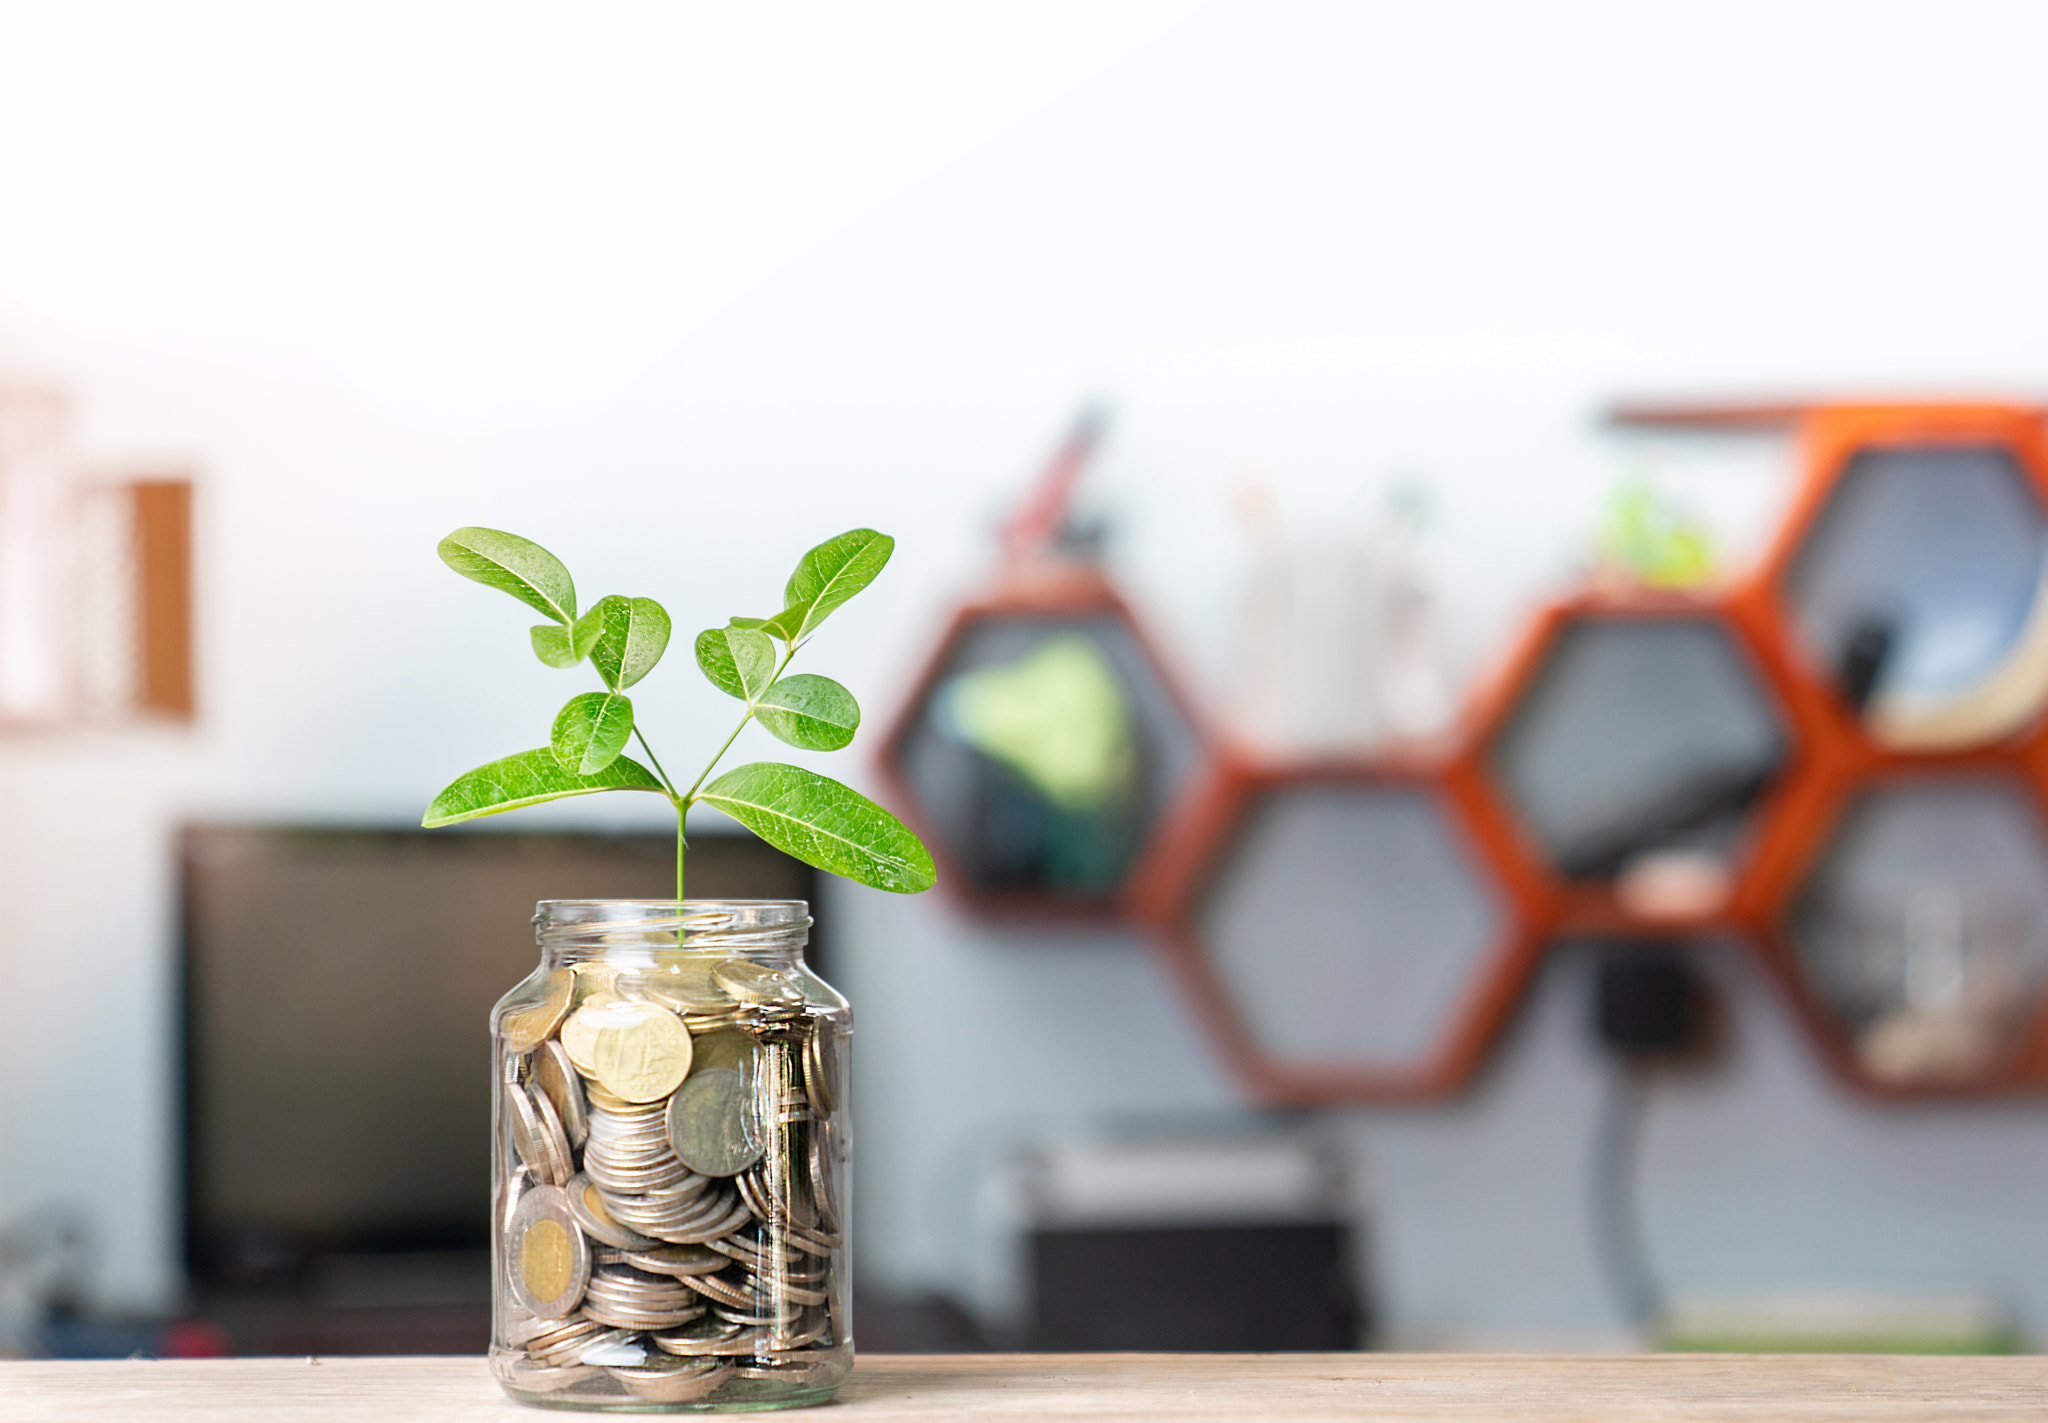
{"x":629,"y":932}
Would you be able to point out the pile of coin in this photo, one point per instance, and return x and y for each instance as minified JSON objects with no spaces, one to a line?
{"x":671,"y":1225}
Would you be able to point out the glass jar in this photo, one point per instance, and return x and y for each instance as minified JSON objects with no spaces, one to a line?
{"x":669,"y":1175}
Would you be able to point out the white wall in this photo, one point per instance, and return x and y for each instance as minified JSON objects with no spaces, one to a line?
{"x":682,"y":288}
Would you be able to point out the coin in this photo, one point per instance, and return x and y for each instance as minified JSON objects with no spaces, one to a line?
{"x":678,"y":1260}
{"x":594,"y":980}
{"x":544,"y":1378}
{"x":821,"y":1074}
{"x":556,"y":1076}
{"x":725,"y":1047}
{"x":673,"y":1380}
{"x":579,"y":1032}
{"x":683,"y":981}
{"x":641,"y":1052}
{"x":549,"y":1259}
{"x":586,"y":1203}
{"x":537,"y":1136}
{"x":711,"y":1123}
{"x":523,"y":1028}
{"x":751,"y":983}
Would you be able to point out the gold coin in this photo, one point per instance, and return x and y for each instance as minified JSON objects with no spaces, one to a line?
{"x":526,"y":1028}
{"x":683,"y":981}
{"x":548,"y":1257}
{"x":594,"y":980}
{"x":579,"y":1034}
{"x":641,"y":1053}
{"x":545,"y":1260}
{"x":751,"y":983}
{"x":726,"y":1047}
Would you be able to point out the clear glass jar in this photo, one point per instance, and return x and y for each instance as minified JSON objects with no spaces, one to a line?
{"x":669,"y":1175}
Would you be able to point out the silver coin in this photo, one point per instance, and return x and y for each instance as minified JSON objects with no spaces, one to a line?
{"x":821,"y":1072}
{"x":711,"y":1123}
{"x":535,"y":1377}
{"x":530,"y":1136}
{"x":558,"y":1080}
{"x":678,"y":1260}
{"x":586,"y":1203}
{"x":673,"y":1380}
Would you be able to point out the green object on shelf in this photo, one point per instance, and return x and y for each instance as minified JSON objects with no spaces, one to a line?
{"x":1646,"y":536}
{"x":1058,"y":717}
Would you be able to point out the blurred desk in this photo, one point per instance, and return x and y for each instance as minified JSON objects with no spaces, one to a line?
{"x":1125,"y":1387}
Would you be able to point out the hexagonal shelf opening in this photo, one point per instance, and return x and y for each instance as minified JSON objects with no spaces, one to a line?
{"x":1350,"y":924}
{"x":1918,"y":592}
{"x":1923,"y":928}
{"x":1634,"y":737}
{"x":1041,"y":752}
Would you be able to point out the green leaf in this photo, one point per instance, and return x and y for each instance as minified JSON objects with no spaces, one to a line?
{"x":739,"y":661}
{"x":513,"y":565}
{"x":825,"y":824}
{"x":833,"y":572}
{"x":565,"y":647}
{"x":809,"y":711}
{"x":591,"y":731}
{"x":635,"y":635}
{"x":528,"y":779}
{"x":784,"y":624}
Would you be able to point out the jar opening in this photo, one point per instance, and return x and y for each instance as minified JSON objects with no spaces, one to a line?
{"x":725,"y":924}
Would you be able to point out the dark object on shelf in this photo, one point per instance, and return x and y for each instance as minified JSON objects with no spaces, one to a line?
{"x":1227,"y":1288}
{"x":1647,"y":1000}
{"x":1710,"y":797}
{"x":1636,"y":729}
{"x":1862,"y":662}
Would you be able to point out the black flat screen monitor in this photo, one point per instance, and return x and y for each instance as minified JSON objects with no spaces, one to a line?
{"x":337,"y":990}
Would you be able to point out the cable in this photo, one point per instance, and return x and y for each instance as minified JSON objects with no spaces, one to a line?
{"x":1612,"y":1198}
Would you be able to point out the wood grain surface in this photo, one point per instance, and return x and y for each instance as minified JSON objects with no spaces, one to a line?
{"x":1646,"y":1388}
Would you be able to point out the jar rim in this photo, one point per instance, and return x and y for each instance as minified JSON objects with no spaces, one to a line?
{"x":590,"y":920}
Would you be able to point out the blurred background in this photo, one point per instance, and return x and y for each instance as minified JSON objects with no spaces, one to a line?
{"x":1450,"y":838}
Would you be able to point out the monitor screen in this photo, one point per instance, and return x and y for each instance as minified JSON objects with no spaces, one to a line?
{"x":338,"y":985}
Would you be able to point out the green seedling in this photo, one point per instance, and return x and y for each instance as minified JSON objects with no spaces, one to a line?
{"x":799,"y":812}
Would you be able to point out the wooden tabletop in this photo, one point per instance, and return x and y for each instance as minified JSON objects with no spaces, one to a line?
{"x":1645,"y":1388}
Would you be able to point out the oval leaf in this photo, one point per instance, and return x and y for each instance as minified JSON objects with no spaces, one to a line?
{"x":635,"y":635}
{"x":529,"y":778}
{"x":552,"y":646}
{"x":591,"y":731}
{"x":834,"y":571}
{"x":565,"y":647}
{"x":809,"y":711}
{"x":513,"y":565}
{"x":739,"y":661}
{"x":825,"y":824}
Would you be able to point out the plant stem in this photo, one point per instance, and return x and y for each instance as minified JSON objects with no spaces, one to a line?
{"x":690,"y":796}
{"x":655,"y":762}
{"x":683,"y":844}
{"x":682,"y":806}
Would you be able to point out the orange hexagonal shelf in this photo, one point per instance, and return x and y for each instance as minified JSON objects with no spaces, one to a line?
{"x":1908,"y":583}
{"x":1342,"y":929}
{"x":1633,"y":752}
{"x":1913,"y":933}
